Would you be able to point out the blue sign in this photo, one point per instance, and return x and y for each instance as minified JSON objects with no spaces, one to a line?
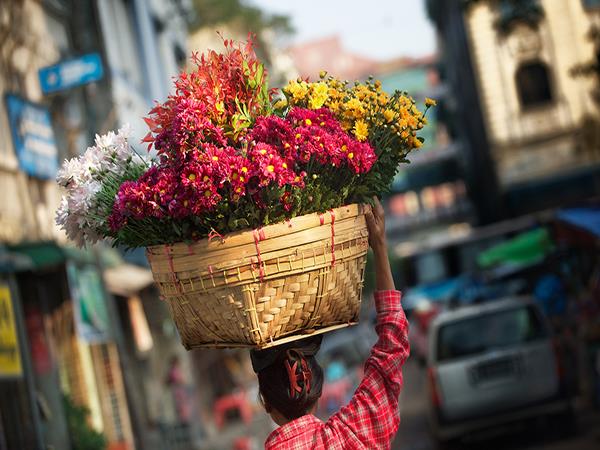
{"x":70,"y":73}
{"x":33,"y":137}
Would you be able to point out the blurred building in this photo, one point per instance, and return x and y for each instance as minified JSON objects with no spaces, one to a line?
{"x":525,"y":124}
{"x":145,"y":46}
{"x":330,"y":55}
{"x":70,"y":69}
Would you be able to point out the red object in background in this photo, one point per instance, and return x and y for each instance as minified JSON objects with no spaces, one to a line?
{"x":38,"y":346}
{"x":237,"y":401}
{"x":424,"y":318}
{"x":335,"y":392}
{"x":433,"y":386}
{"x":122,"y":445}
{"x":398,"y":206}
{"x":242,"y":443}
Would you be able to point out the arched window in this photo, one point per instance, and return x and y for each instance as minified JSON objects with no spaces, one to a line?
{"x":533,"y":84}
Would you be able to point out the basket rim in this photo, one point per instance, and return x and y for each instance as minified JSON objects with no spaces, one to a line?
{"x":247,"y":235}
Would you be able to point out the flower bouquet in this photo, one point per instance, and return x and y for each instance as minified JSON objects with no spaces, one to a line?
{"x":249,"y":209}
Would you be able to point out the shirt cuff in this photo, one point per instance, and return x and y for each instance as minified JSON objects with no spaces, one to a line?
{"x":388,"y":301}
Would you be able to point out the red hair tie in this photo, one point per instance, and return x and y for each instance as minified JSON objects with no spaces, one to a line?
{"x":305,"y":373}
{"x":291,"y":370}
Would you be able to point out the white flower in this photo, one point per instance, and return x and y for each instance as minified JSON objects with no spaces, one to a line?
{"x":82,"y":212}
{"x":62,"y":213}
{"x":70,"y":172}
{"x":106,"y":140}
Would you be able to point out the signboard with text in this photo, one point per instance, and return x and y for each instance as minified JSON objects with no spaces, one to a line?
{"x":33,"y":137}
{"x":71,"y":73}
{"x":10,"y":356}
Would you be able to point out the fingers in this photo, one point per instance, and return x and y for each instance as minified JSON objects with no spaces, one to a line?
{"x":369,"y":217}
{"x":377,"y":208}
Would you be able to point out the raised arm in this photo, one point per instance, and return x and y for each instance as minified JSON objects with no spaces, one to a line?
{"x":371,"y":418}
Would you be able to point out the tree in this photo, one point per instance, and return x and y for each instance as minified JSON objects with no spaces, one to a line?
{"x":211,"y":13}
{"x":83,"y":437}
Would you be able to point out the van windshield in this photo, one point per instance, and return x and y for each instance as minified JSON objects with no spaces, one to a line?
{"x":488,"y":331}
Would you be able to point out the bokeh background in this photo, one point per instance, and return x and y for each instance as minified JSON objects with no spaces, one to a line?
{"x":502,"y":201}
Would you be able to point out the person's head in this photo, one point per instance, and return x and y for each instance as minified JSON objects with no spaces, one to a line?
{"x":290,"y":379}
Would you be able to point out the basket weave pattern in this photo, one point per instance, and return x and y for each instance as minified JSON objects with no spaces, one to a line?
{"x":263,"y":287}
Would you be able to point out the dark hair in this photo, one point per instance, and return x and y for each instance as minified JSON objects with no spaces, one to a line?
{"x":292,"y":384}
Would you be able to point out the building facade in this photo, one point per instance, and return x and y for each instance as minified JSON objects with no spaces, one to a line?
{"x":535,"y":115}
{"x":66,"y":334}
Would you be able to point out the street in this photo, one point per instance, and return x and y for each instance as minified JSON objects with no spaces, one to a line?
{"x":414,"y":432}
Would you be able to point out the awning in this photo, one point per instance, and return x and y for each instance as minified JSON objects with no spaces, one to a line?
{"x":127,"y":279}
{"x":587,"y":219}
{"x":13,"y":261}
{"x":40,"y":254}
{"x":525,"y":249}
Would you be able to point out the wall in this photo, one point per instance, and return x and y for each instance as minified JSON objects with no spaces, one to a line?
{"x":34,"y":40}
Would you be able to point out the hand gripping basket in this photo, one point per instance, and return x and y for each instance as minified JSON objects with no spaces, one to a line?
{"x":264,"y":287}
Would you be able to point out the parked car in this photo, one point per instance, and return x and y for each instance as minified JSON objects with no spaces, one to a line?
{"x":491,"y":364}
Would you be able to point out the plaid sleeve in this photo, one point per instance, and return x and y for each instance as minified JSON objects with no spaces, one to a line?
{"x":372,"y":416}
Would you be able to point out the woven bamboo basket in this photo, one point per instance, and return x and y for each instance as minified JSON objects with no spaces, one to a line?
{"x":264,"y":287}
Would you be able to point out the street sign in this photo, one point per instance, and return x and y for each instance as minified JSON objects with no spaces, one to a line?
{"x":71,"y":73}
{"x":33,"y":137}
{"x":10,"y":356}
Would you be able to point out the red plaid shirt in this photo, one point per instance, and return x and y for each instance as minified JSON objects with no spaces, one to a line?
{"x":371,"y":419}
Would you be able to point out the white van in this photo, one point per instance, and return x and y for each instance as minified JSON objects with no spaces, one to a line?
{"x":490,"y":364}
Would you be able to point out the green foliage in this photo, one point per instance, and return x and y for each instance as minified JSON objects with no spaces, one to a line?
{"x":83,"y":437}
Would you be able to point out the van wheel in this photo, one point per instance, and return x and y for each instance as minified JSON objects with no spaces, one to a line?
{"x":565,"y":422}
{"x":448,"y":444}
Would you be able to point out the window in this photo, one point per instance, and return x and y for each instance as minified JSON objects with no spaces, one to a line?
{"x":488,"y":332}
{"x":533,"y":84}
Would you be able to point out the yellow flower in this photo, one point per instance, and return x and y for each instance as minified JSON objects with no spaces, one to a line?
{"x":334,"y":107}
{"x":430,"y":102}
{"x":281,"y":103}
{"x":353,"y":104}
{"x":388,"y":115}
{"x":416,"y":143}
{"x":318,"y":95}
{"x":297,"y":90}
{"x":361,"y":130}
